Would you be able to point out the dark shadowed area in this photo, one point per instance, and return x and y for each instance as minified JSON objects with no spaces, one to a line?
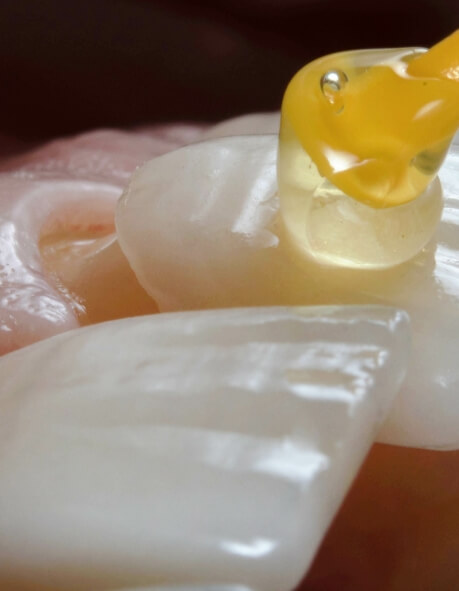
{"x":72,"y":65}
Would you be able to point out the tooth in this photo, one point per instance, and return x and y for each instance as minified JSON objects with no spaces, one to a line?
{"x":253,"y":124}
{"x":188,"y":449}
{"x":30,"y":306}
{"x":188,"y":588}
{"x":62,"y":193}
{"x":199,"y":227}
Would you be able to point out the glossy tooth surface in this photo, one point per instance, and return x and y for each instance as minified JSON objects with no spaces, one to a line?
{"x":200,"y":228}
{"x":188,"y":449}
{"x":67,"y":186}
{"x":31,"y":306}
{"x":188,"y":588}
{"x":252,"y":124}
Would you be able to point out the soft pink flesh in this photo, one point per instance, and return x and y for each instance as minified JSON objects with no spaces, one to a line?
{"x":56,"y":214}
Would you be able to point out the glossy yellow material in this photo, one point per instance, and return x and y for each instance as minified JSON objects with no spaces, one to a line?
{"x":377,"y":129}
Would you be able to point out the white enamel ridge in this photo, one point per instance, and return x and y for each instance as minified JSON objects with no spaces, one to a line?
{"x":252,"y":124}
{"x":69,"y":186}
{"x":30,"y":306}
{"x":200,"y":228}
{"x":207,"y":448}
{"x":188,"y":588}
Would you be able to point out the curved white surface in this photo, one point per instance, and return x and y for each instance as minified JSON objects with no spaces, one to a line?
{"x":188,"y":588}
{"x":188,"y":449}
{"x":200,"y":228}
{"x":251,"y":124}
{"x":30,"y":305}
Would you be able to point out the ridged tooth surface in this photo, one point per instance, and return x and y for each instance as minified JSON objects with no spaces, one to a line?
{"x":195,"y":448}
{"x":199,"y":226}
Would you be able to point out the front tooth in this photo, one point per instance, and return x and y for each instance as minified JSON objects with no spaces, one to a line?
{"x":252,"y":124}
{"x":188,"y":449}
{"x":31,"y":308}
{"x":188,"y":588}
{"x":199,"y":227}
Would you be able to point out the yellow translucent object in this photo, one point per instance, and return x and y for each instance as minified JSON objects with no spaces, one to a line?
{"x":361,"y":133}
{"x":367,"y":129}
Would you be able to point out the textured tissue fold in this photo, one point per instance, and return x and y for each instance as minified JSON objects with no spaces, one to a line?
{"x":200,"y":228}
{"x":198,"y":449}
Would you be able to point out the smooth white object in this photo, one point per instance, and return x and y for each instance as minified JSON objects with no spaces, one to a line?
{"x":251,"y":124}
{"x":200,"y":228}
{"x":205,"y":448}
{"x":31,"y":307}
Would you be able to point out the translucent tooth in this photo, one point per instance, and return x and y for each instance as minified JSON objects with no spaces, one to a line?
{"x":188,"y":588}
{"x":200,"y":228}
{"x":31,"y":307}
{"x":252,"y":124}
{"x":190,"y":448}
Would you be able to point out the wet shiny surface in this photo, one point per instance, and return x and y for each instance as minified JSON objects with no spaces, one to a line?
{"x":377,"y":123}
{"x":91,"y":268}
{"x":32,"y":307}
{"x":52,"y":200}
{"x":334,"y":229}
{"x":201,"y":242}
{"x":188,"y":448}
{"x":405,"y":494}
{"x":363,"y":134}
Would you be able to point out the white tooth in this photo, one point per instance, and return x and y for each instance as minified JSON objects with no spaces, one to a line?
{"x":199,"y":227}
{"x":253,"y":124}
{"x":30,"y":306}
{"x":222,"y":199}
{"x":188,"y":588}
{"x":188,"y":449}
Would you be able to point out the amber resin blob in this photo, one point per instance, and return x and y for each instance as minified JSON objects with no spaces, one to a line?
{"x":363,"y":134}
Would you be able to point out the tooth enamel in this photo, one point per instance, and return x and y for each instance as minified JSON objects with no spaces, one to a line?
{"x":252,"y":124}
{"x":61,"y":193}
{"x":190,"y":448}
{"x":30,"y":305}
{"x":188,"y":588}
{"x":199,"y":227}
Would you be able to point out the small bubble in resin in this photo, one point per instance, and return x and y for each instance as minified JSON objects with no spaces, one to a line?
{"x":331,"y":84}
{"x":357,"y":165}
